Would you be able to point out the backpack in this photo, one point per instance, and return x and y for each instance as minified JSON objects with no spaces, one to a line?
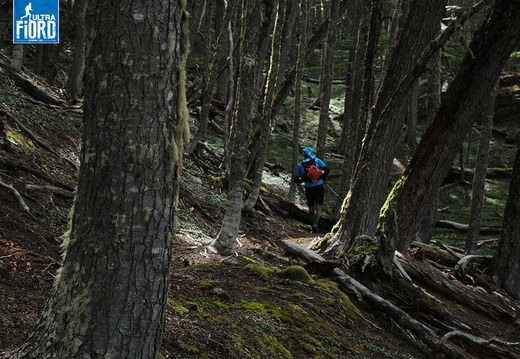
{"x":312,"y":173}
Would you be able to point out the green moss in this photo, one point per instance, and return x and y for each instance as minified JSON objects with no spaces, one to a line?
{"x":460,"y":308}
{"x":263,"y":271}
{"x":219,"y":304}
{"x":297,"y":273}
{"x":176,"y":306}
{"x":206,"y":286}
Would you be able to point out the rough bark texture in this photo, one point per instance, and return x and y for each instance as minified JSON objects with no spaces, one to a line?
{"x":109,"y":297}
{"x":491,"y":46}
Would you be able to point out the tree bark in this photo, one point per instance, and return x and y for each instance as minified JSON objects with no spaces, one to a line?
{"x":295,"y":142}
{"x":248,"y":48}
{"x":505,"y":269}
{"x":360,"y":212}
{"x":327,"y":72}
{"x":109,"y":297}
{"x":464,"y":100}
{"x":265,"y":116}
{"x":74,"y":84}
{"x":479,"y":182}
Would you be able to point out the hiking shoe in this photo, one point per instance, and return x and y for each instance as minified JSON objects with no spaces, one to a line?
{"x":314,"y":229}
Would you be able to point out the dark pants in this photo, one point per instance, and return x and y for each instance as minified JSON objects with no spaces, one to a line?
{"x":314,"y":195}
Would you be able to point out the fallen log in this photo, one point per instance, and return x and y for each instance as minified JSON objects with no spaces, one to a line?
{"x":464,"y":227}
{"x":286,"y":208}
{"x":52,"y":189}
{"x":28,"y":85}
{"x":401,"y":317}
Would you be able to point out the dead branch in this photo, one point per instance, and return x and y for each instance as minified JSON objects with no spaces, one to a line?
{"x":51,"y":189}
{"x":40,"y":174}
{"x":32,"y":136}
{"x":16,"y":194}
{"x":463,"y":262}
{"x":464,"y":227}
{"x":402,"y":318}
{"x":477,"y":340}
{"x":30,"y":87}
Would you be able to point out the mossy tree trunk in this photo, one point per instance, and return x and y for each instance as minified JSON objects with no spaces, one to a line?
{"x":353,"y":128}
{"x":109,"y":297}
{"x":463,"y":102}
{"x":360,"y":211}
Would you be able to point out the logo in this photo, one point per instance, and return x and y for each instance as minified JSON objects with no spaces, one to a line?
{"x":36,"y":21}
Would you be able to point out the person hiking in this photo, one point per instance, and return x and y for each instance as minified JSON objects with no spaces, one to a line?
{"x":312,"y":172}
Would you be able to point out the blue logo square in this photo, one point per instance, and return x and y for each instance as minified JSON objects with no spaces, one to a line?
{"x":36,"y":21}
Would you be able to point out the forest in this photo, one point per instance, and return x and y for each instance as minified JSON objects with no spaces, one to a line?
{"x":152,"y":205}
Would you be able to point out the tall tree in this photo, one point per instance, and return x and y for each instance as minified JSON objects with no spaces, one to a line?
{"x":295,"y":141}
{"x":326,"y":75}
{"x":479,"y":180}
{"x":241,"y":119}
{"x":463,"y":101}
{"x":109,"y":297}
{"x":265,"y":114}
{"x":353,"y":126}
{"x":505,"y":269}
{"x":360,"y":212}
{"x":74,"y":84}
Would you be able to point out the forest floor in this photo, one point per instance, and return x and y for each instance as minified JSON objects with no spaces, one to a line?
{"x":248,"y":305}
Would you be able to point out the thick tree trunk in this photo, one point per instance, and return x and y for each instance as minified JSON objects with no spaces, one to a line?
{"x":109,"y":297}
{"x":464,"y":100}
{"x":360,"y":213}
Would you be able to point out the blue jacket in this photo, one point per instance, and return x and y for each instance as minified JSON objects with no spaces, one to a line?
{"x":300,"y":170}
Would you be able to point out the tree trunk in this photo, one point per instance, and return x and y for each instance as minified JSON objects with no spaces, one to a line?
{"x":17,"y":60}
{"x":265,"y":116}
{"x":74,"y":85}
{"x":327,"y":72}
{"x":212,"y":55}
{"x":355,"y":122}
{"x":464,"y":100}
{"x":411,"y":119}
{"x":479,"y":182}
{"x":505,"y":269}
{"x":360,"y":213}
{"x":109,"y":297}
{"x":302,"y":30}
{"x":248,"y":48}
